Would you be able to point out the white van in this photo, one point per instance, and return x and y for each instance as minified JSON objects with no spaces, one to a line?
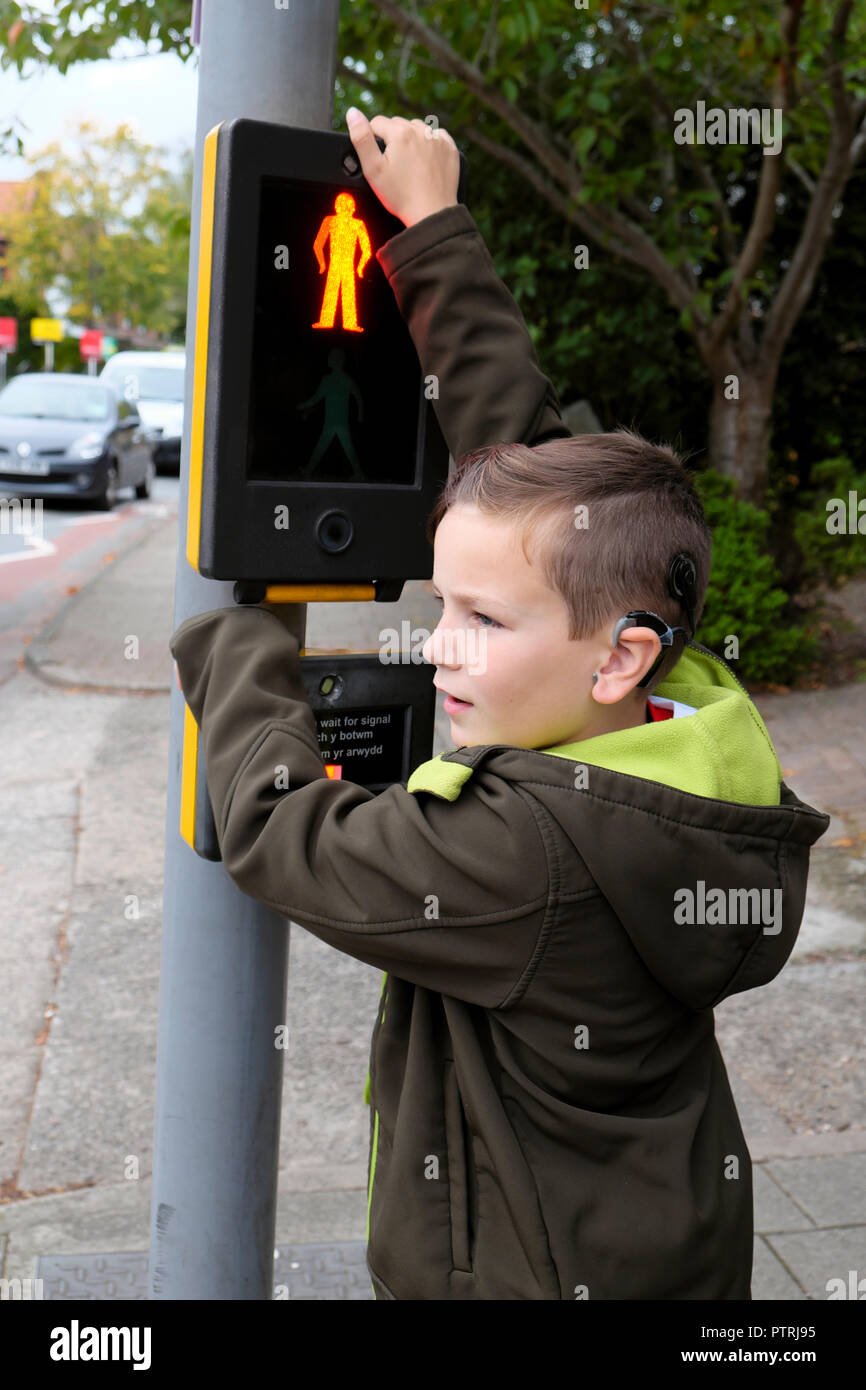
{"x":154,"y":382}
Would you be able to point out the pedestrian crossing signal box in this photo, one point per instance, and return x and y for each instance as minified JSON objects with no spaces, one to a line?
{"x":374,"y":726}
{"x":316,"y":455}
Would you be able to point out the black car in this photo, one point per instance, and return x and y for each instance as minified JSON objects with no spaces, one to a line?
{"x":63,"y":435}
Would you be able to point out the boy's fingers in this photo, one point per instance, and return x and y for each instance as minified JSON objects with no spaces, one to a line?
{"x":434,"y":132}
{"x":362,"y":134}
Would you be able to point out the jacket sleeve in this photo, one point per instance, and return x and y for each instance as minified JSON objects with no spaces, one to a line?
{"x":450,"y":895}
{"x":470,"y":334}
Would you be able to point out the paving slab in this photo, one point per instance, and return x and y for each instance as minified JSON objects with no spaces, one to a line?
{"x":831,"y":1191}
{"x":115,"y":1218}
{"x":775,"y":1210}
{"x":302,"y":1273}
{"x":771,"y":1279}
{"x":800,"y":1044}
{"x":815,"y":1257}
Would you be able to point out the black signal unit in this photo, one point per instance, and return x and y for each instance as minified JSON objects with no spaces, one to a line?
{"x":316,"y":454}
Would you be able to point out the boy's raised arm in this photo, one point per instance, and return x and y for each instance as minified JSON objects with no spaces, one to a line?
{"x":468,"y":330}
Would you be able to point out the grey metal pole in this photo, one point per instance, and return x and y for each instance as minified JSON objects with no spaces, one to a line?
{"x":224,"y":956}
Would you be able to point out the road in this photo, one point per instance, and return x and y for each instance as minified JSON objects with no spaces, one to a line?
{"x":67,"y":546}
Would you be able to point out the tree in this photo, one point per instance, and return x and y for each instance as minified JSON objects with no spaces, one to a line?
{"x":79,"y":31}
{"x":586,"y":106}
{"x":108,"y":230}
{"x":589,"y":115}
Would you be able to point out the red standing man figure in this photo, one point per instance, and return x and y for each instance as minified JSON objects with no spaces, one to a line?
{"x":345,"y":232}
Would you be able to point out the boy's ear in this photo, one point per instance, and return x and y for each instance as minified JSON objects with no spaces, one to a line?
{"x":628,"y":663}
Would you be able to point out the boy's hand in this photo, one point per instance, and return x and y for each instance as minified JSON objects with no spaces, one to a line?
{"x":419,"y":171}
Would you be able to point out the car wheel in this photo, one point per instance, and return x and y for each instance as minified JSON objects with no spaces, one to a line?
{"x":108,"y":497}
{"x":145,"y":488}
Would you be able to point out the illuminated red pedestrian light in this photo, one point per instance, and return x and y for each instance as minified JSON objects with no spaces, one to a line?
{"x":343,"y":233}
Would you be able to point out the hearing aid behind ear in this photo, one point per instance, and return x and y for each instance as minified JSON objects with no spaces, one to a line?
{"x":682,"y":585}
{"x":642,"y":617}
{"x":682,"y":581}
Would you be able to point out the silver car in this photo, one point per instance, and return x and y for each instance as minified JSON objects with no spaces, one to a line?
{"x":153,"y":383}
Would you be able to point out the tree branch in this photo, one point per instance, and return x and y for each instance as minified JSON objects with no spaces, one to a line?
{"x":642,"y":250}
{"x":698,"y":165}
{"x":806,"y":179}
{"x":794,"y":290}
{"x":796,"y":287}
{"x":488,"y":35}
{"x":554,"y":195}
{"x":835,"y":72}
{"x":764,"y":215}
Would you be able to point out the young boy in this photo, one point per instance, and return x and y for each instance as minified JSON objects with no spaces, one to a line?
{"x":560,"y":900}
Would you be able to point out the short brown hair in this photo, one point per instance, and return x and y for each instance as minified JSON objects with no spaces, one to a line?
{"x":642,"y":508}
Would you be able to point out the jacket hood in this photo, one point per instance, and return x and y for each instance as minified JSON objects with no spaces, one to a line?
{"x":642,"y":805}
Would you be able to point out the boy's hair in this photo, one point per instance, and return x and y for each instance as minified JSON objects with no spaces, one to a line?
{"x":641,"y":509}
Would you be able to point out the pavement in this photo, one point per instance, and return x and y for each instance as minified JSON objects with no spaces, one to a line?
{"x":82,"y":809}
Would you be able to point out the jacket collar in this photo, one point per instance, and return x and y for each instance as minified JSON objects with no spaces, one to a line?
{"x":722,"y":751}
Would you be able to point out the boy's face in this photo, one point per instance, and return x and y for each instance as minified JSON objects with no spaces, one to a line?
{"x":502,"y":644}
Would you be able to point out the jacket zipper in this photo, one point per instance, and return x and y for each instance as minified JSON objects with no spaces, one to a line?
{"x":372,"y":1169}
{"x":724,"y":665}
{"x":375,"y":1143}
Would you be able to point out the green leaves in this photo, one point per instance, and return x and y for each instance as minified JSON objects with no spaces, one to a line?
{"x":88,"y":30}
{"x":584,"y":143}
{"x":598,"y":101}
{"x":745,"y":597}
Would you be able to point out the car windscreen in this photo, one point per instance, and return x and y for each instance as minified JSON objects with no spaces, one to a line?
{"x":146,"y":383}
{"x":55,"y":400}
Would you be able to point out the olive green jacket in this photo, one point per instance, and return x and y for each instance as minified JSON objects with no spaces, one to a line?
{"x":550,"y":1113}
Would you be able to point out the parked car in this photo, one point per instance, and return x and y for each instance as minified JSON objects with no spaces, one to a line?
{"x":153,"y":382}
{"x":63,"y":435}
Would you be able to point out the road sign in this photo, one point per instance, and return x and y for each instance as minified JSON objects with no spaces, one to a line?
{"x":8,"y":335}
{"x":90,"y":343}
{"x":46,"y":330}
{"x":315,"y":453}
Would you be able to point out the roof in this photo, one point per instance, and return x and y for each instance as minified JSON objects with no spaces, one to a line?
{"x":14,"y":194}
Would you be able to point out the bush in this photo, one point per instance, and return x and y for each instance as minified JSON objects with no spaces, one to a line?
{"x":744,"y":597}
{"x":827,"y":556}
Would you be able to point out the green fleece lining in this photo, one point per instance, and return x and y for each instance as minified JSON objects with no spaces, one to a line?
{"x":445,"y":779}
{"x":721,"y":751}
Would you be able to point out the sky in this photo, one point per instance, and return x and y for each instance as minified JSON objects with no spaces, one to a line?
{"x":155,"y":94}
